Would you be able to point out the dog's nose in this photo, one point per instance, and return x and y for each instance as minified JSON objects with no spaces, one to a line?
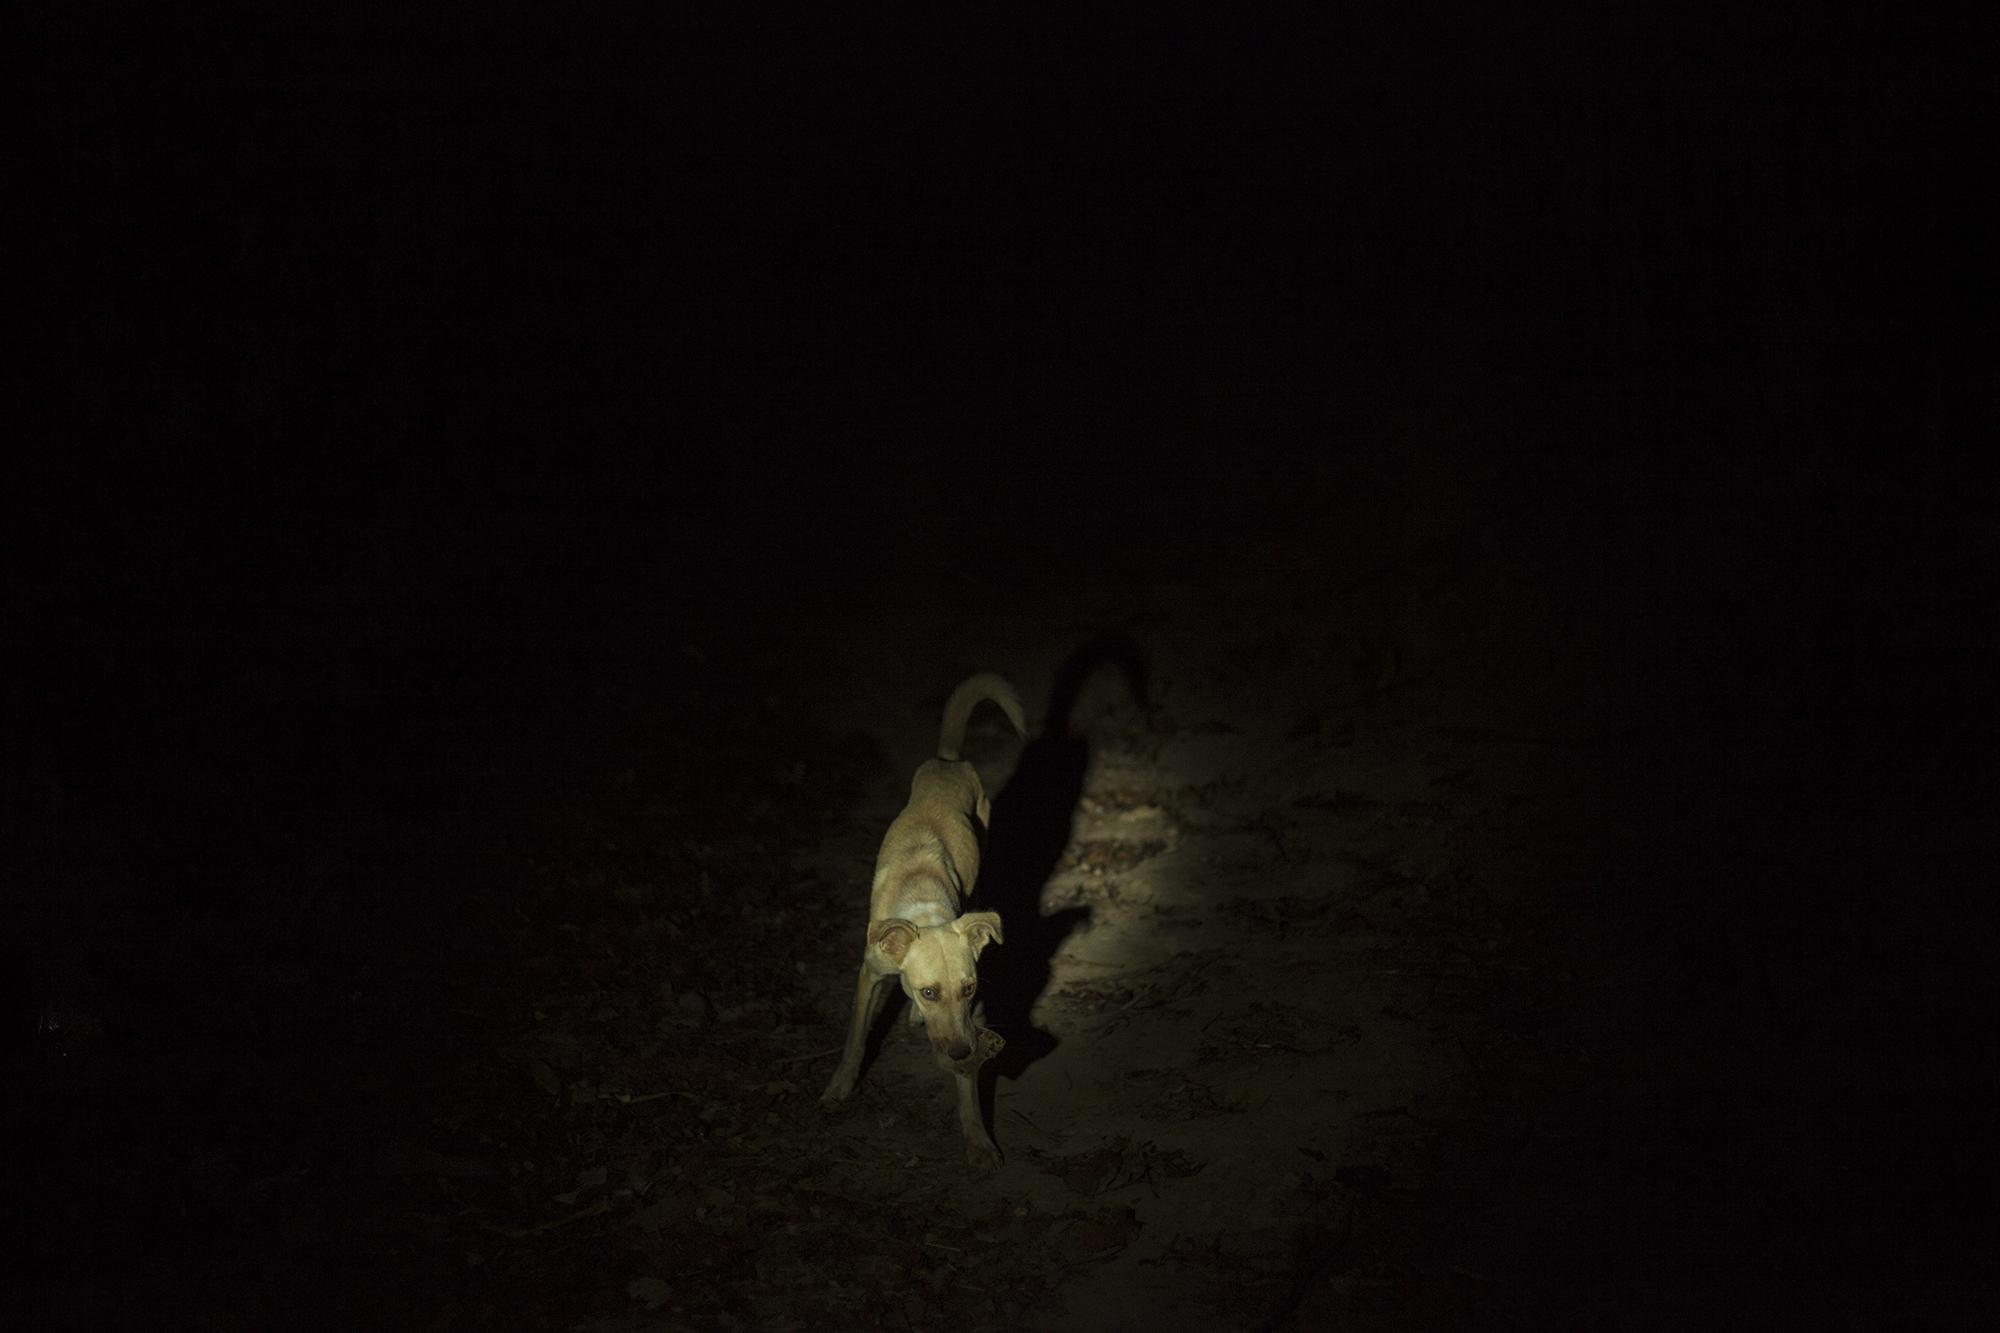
{"x":958,"y":1050}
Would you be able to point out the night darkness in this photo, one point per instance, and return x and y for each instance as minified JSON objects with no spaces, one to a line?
{"x":1474,"y":508}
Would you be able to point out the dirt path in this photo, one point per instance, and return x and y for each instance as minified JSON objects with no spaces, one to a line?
{"x":1405,"y":957}
{"x":1276,"y":960}
{"x":1389,"y":944}
{"x":1209,"y":978}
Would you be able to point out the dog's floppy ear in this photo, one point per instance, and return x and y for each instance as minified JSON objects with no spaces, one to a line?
{"x":981,"y":928}
{"x":892,"y":938}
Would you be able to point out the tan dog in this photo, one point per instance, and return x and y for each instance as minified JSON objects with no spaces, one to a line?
{"x":923,"y":876}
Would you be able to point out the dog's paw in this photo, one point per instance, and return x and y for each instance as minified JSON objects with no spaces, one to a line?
{"x":985,"y":1156}
{"x":837,"y":1088}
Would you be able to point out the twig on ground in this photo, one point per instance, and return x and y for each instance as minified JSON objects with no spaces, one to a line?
{"x":522,"y":1233}
{"x":634,"y":1098}
{"x":801,"y":1059}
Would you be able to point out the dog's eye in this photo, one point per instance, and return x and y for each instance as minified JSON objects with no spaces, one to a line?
{"x":929,"y":992}
{"x":969,"y":988}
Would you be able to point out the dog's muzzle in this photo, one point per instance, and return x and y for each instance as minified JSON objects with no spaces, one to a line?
{"x":986,"y":1044}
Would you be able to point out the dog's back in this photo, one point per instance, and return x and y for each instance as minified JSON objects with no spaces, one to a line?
{"x":934,"y":839}
{"x":930,"y":855}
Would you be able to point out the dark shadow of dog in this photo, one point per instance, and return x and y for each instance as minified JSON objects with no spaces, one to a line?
{"x":1033,"y":818}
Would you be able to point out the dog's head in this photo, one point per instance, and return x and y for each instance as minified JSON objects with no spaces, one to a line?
{"x":940,"y":972}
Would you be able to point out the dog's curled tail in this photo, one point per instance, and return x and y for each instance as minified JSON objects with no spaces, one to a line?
{"x":958,"y":708}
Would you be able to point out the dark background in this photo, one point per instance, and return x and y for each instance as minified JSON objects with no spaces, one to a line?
{"x":380,"y":361}
{"x":358,"y":320}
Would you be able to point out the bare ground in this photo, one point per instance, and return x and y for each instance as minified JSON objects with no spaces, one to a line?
{"x":1392,"y":942}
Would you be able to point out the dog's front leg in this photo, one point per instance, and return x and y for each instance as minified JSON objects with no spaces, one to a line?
{"x":980,"y":1150}
{"x":869,"y":993}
